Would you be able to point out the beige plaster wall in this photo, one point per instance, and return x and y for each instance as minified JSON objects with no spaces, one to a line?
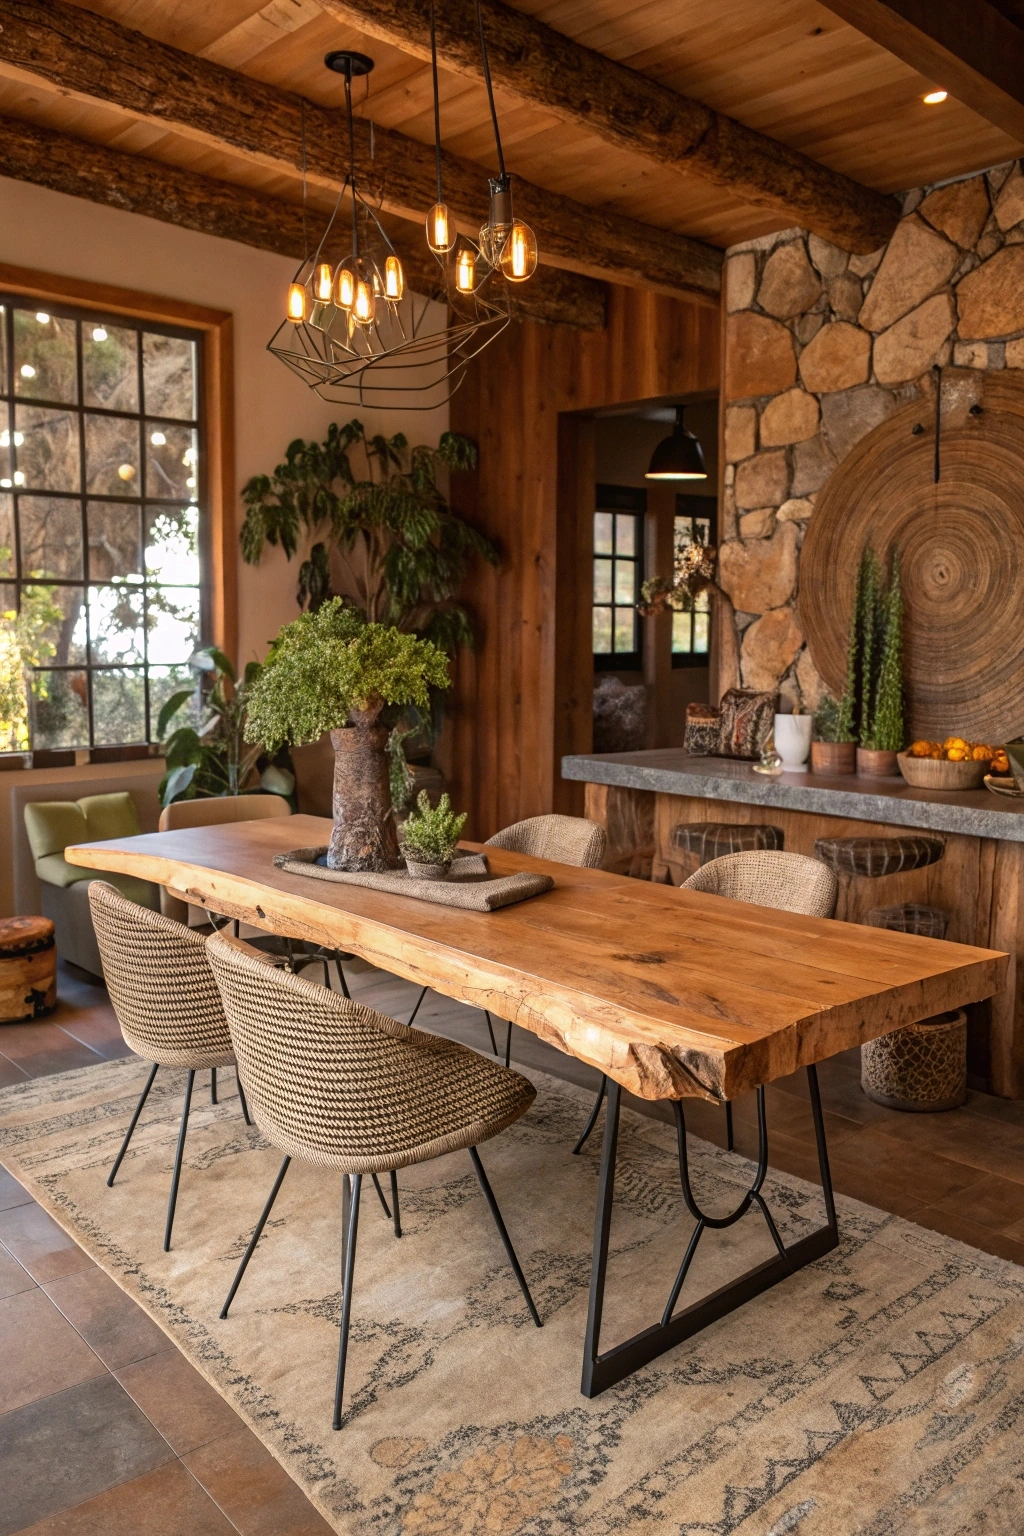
{"x":51,"y":232}
{"x":820,"y":348}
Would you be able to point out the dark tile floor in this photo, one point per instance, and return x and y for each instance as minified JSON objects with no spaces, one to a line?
{"x":105,"y":1428}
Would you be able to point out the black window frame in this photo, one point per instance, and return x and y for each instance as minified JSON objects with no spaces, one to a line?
{"x":688,"y":505}
{"x":631,"y":500}
{"x":83,"y":315}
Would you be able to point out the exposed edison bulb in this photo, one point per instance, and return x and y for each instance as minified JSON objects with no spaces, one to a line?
{"x":364,"y":304}
{"x":519,"y":253}
{"x":324,"y":282}
{"x":99,"y":333}
{"x":344,"y":287}
{"x":394,"y":278}
{"x":296,"y":303}
{"x":465,"y":270}
{"x":439,"y":229}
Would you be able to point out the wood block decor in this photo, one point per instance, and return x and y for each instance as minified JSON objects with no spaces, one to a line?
{"x":28,"y":968}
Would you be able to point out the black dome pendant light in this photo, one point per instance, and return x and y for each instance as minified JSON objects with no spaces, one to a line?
{"x":678,"y":457}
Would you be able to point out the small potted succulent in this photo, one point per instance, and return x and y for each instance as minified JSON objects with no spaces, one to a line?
{"x":331,"y":671}
{"x":430,"y":836}
{"x":833,"y":749}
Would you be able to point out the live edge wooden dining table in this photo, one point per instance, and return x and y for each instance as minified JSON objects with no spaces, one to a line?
{"x":673,"y":994}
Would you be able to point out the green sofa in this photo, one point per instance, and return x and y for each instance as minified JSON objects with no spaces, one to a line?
{"x":51,"y":826}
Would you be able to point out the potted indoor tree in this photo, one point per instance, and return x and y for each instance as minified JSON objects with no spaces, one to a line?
{"x":430,"y":836}
{"x":331,"y":671}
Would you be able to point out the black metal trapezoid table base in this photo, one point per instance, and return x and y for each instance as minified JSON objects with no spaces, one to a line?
{"x":601,"y":1371}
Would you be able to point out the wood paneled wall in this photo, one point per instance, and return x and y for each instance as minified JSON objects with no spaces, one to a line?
{"x":523,"y":698}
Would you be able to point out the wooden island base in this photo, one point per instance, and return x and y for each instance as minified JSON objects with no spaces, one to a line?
{"x":979,"y":881}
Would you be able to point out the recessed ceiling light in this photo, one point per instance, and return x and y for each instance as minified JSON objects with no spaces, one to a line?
{"x":934,"y":97}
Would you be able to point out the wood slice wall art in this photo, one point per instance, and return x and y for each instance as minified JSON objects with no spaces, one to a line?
{"x":961,"y":545}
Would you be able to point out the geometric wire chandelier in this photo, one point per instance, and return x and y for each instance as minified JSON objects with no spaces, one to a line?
{"x":352,"y":330}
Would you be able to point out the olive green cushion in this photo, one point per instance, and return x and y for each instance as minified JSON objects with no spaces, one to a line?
{"x":53,"y":824}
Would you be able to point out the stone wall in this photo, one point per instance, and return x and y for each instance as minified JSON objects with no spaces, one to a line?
{"x":820,"y":348}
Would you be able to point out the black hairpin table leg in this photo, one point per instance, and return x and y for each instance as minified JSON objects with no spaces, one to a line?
{"x":601,"y":1371}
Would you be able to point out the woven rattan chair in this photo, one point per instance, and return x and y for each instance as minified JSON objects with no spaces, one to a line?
{"x":166,"y":1002}
{"x":344,"y":1087}
{"x":789,"y":882}
{"x":563,"y":840}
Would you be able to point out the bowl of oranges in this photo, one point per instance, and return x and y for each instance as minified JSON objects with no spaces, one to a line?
{"x":955,"y":763}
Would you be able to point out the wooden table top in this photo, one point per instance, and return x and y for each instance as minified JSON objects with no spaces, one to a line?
{"x":673,"y":993}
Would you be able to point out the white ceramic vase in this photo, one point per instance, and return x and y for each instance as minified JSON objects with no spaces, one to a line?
{"x":793,"y":741}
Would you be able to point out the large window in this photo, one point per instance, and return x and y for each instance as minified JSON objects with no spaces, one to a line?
{"x":691,"y":632}
{"x":101,"y":503}
{"x":618,"y":573}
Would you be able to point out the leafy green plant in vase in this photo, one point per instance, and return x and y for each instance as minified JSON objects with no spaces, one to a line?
{"x":430,"y":837}
{"x":331,"y":671}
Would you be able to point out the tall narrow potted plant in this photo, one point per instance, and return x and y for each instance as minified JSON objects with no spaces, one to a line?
{"x":331,"y":671}
{"x":882,"y":733}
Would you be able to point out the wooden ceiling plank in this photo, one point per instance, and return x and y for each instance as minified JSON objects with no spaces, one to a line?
{"x":546,"y":69}
{"x":972,"y":51}
{"x":211,"y":207}
{"x":202,"y":100}
{"x":267,"y":27}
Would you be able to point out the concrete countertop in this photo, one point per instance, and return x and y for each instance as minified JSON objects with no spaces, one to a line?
{"x":972,"y":813}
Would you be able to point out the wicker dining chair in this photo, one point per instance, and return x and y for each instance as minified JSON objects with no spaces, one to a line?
{"x":166,"y":1002}
{"x":563,"y":840}
{"x":789,"y":882}
{"x":344,"y":1087}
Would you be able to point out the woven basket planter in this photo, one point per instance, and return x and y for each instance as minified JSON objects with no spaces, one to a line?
{"x":921,"y":1068}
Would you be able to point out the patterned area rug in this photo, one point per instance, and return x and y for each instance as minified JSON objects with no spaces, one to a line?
{"x":879,"y":1392}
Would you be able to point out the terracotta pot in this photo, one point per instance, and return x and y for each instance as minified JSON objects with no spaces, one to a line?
{"x":364,"y":836}
{"x":877,"y":765}
{"x":833,"y":757}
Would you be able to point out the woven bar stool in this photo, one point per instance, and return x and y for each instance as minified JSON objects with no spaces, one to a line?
{"x":789,"y":882}
{"x":873,"y":857}
{"x":714,"y":839}
{"x":922,"y":1067}
{"x":343,"y":1087}
{"x":563,"y":839}
{"x":166,"y":1001}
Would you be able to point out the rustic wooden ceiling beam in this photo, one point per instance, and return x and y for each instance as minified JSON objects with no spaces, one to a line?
{"x":103,"y":61}
{"x":970,"y":50}
{"x":543,"y":68}
{"x":175,"y":196}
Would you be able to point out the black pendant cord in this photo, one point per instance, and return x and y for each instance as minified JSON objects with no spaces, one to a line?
{"x":437,"y":102}
{"x":937,"y":472}
{"x":352,"y":163}
{"x":490,"y":88}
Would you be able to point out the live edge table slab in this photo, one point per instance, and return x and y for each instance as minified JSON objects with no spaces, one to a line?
{"x":639,"y":797}
{"x":672,"y":994}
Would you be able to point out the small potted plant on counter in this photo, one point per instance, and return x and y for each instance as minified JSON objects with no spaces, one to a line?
{"x":430,"y":837}
{"x":331,"y":671}
{"x":834,"y":749}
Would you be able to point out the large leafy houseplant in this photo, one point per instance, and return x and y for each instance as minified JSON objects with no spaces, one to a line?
{"x":331,"y":671}
{"x":206,"y":754}
{"x":402,"y":553}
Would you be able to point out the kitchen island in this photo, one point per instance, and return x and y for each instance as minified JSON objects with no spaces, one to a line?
{"x":640,"y":797}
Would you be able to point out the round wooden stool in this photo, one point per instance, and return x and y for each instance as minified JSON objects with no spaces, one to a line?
{"x":28,"y":968}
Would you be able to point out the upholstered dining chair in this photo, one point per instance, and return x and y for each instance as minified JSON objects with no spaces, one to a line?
{"x":341,"y":1086}
{"x":564,"y":840}
{"x":789,"y":882}
{"x":166,"y":1001}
